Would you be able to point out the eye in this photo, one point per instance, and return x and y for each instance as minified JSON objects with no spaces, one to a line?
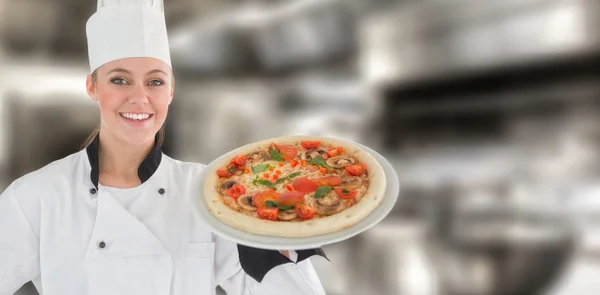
{"x":155,"y":83}
{"x":119,"y":81}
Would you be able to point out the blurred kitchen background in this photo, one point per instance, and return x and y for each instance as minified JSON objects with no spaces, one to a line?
{"x":488,"y":110}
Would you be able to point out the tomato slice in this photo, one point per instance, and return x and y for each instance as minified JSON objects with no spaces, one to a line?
{"x":328,"y":180}
{"x":288,"y":152}
{"x":335,"y":151}
{"x":357,"y":169}
{"x":290,"y":198}
{"x":226,"y":172}
{"x":310,"y":144}
{"x":267,"y":213}
{"x":344,"y":193}
{"x":304,"y":211}
{"x":261,"y":198}
{"x":239,"y":160}
{"x":304,"y":185}
{"x":223,"y":172}
{"x":236,"y":191}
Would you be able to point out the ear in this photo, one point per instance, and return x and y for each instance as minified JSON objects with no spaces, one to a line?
{"x":90,"y":86}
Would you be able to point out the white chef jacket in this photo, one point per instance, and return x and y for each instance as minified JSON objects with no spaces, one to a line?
{"x":72,"y":236}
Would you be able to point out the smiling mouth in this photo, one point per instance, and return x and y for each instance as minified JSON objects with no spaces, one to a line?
{"x":136,"y":116}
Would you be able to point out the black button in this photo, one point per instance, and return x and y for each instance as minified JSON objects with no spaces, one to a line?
{"x":161,"y":191}
{"x":102,"y":245}
{"x":93,"y":191}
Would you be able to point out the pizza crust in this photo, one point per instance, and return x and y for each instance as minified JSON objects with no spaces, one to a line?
{"x":313,"y":227}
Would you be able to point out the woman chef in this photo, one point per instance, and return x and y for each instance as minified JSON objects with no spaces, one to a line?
{"x":114,"y":218}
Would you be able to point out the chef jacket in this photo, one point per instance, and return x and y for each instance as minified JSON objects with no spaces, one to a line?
{"x":70,"y":235}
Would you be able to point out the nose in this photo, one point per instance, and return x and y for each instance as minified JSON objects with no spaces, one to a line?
{"x":138,"y":95}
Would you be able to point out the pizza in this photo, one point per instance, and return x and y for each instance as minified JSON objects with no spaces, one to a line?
{"x":294,"y":186}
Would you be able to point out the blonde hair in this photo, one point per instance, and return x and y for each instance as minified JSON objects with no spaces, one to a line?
{"x":160,"y":135}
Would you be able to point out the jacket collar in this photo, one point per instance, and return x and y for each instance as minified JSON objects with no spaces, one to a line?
{"x":146,"y":169}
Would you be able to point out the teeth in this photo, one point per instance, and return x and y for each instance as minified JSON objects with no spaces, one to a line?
{"x":135,"y":116}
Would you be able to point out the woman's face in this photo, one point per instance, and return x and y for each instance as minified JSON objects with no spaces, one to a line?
{"x":134,"y":96}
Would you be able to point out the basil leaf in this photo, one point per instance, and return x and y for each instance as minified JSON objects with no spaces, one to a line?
{"x":263,"y":182}
{"x":321,"y":191}
{"x":320,"y":162}
{"x":270,"y":204}
{"x":260,"y":168}
{"x":345,"y":191}
{"x":317,"y":161}
{"x":292,"y":175}
{"x":231,"y":169}
{"x":275,"y":155}
{"x":286,"y":207}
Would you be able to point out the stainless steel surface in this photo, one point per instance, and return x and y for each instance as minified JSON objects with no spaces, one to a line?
{"x":420,"y":40}
{"x":504,"y":241}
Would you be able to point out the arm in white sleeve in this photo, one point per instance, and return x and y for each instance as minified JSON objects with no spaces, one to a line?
{"x":241,"y":270}
{"x":19,"y":245}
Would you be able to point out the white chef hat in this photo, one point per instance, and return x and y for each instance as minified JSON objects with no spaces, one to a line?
{"x":127,"y":28}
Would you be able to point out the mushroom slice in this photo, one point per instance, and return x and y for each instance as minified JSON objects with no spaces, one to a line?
{"x":313,"y":153}
{"x":351,"y":182}
{"x":287,"y":215}
{"x":258,"y":156}
{"x":341,"y":161}
{"x":225,"y":185}
{"x":327,"y":205}
{"x":246,"y":203}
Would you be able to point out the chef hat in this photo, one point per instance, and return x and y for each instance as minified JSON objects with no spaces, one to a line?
{"x":127,"y":28}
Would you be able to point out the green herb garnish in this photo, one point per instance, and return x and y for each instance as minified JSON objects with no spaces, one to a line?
{"x":273,"y":204}
{"x":260,"y":168}
{"x":321,"y":191}
{"x":320,"y":162}
{"x":345,"y":191}
{"x":275,"y":155}
{"x":292,"y":175}
{"x":286,"y":207}
{"x":231,"y":169}
{"x":263,"y":182}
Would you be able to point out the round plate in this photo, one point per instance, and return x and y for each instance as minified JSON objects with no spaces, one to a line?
{"x":282,"y":243}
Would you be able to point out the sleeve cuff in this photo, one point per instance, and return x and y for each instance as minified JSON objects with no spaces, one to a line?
{"x":258,"y":262}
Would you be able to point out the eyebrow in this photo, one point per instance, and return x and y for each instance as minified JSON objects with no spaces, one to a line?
{"x":121,"y":70}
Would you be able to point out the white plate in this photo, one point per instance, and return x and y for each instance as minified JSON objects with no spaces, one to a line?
{"x":281,"y":243}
